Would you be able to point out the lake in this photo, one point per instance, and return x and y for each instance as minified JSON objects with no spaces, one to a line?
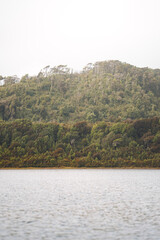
{"x":80,"y":204}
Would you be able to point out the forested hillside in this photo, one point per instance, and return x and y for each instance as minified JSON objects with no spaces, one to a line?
{"x":123,"y":144}
{"x":104,"y":91}
{"x":108,"y":115}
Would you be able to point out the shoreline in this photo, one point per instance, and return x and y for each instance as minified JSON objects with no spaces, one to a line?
{"x":75,"y":168}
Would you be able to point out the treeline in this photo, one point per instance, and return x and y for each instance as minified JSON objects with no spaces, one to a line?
{"x":130,"y":143}
{"x":104,"y":91}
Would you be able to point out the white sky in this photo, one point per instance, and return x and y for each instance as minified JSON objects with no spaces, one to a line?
{"x":36,"y":33}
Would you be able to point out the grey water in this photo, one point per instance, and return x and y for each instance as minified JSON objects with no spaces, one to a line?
{"x":80,"y":204}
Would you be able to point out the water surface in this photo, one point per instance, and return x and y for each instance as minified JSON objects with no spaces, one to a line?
{"x":80,"y":204}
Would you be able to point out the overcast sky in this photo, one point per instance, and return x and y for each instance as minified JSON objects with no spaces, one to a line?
{"x":36,"y":33}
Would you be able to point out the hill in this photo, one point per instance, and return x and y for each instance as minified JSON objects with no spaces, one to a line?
{"x":104,"y":91}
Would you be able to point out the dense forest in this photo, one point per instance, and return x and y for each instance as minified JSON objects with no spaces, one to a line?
{"x":133,"y":143}
{"x":108,"y":115}
{"x":104,"y":91}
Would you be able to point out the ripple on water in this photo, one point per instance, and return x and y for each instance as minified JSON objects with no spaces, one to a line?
{"x":80,"y":204}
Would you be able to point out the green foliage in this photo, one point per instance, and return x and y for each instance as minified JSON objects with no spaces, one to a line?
{"x":104,"y":91}
{"x":105,"y":116}
{"x":118,"y":128}
{"x":103,"y":144}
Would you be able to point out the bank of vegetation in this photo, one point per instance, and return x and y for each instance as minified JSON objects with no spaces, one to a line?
{"x":104,"y":116}
{"x":131,"y":143}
